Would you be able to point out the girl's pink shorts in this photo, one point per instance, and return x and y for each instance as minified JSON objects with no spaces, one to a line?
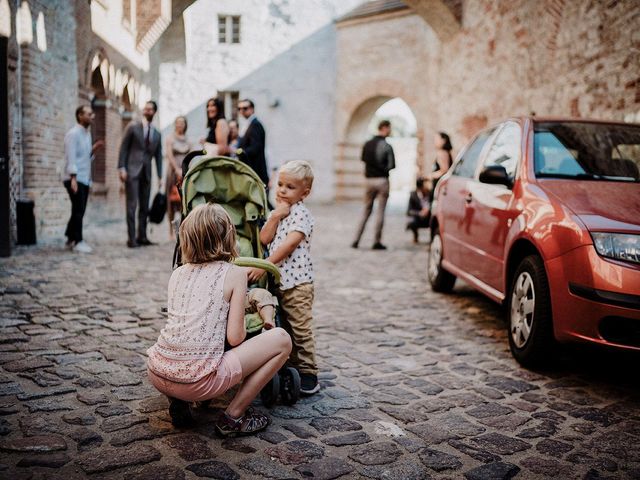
{"x":228,"y":374}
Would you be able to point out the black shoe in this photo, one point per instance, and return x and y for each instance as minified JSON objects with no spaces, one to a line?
{"x":180,"y":413}
{"x":378,"y":246}
{"x":309,"y":384}
{"x":144,"y":242}
{"x":132,"y":244}
{"x":354,"y":245}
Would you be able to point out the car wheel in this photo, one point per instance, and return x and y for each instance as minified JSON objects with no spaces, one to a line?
{"x":530,"y":322}
{"x":440,"y":279}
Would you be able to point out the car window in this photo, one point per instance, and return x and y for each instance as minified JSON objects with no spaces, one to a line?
{"x":466,"y":165}
{"x":554,"y":157}
{"x":587,"y":151}
{"x":505,"y":150}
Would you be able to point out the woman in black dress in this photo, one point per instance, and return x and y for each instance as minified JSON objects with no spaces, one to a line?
{"x":443,"y":161}
{"x":218,"y":134}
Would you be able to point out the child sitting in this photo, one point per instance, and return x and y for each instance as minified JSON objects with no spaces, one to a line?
{"x":419,"y":207}
{"x":288,"y":234}
{"x":206,"y":303}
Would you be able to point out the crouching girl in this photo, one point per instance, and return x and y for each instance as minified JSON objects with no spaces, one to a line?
{"x":206,"y":305}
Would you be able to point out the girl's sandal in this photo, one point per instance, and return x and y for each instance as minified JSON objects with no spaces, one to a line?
{"x":250,"y":422}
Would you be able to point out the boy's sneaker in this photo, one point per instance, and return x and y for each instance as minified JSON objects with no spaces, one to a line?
{"x":250,"y":422}
{"x":309,"y":384}
{"x":180,"y":413}
{"x":82,"y":247}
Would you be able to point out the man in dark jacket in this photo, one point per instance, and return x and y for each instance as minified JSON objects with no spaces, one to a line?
{"x":378,"y":157}
{"x":251,"y":144}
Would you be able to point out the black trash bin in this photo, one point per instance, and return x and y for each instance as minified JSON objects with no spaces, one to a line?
{"x":26,"y":222}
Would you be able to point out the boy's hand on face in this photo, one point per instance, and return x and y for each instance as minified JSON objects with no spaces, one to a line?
{"x":254,"y":274}
{"x":282,"y":209}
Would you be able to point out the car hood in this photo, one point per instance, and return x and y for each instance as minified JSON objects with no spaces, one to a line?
{"x":604,"y":206}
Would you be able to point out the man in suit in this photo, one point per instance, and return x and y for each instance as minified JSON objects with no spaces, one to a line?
{"x":141,"y":143}
{"x":251,"y":144}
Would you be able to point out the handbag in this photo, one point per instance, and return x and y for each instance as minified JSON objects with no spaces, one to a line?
{"x":158,"y":208}
{"x":174,"y":195}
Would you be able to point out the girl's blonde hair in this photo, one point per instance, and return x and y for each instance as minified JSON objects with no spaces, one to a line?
{"x":299,"y":169}
{"x":207,"y":235}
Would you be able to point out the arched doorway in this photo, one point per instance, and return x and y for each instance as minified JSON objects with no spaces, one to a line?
{"x":98,"y":86}
{"x":406,"y":142}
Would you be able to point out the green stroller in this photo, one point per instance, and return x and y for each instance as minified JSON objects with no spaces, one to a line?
{"x":238,"y":189}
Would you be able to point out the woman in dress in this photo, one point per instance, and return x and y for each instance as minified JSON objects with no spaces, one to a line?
{"x":217,"y":141}
{"x":443,"y":161}
{"x":176,"y":147}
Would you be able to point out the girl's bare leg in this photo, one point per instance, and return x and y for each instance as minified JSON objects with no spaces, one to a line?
{"x":261,"y":357}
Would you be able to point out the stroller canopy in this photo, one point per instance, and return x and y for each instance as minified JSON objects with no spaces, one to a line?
{"x":237,"y":188}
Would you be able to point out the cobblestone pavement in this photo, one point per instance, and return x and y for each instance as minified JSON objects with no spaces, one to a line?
{"x":414,"y":384}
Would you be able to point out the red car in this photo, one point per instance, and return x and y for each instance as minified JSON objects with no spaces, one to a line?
{"x":543,"y":214}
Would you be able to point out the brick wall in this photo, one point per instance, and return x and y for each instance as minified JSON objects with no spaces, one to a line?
{"x":552,"y":57}
{"x":49,"y":80}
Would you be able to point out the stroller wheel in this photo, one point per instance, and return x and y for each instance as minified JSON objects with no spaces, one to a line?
{"x":289,"y":385}
{"x":269,"y":393}
{"x":180,"y":413}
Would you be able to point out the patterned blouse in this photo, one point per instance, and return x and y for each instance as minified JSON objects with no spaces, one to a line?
{"x":191,"y":344}
{"x":297,"y":268}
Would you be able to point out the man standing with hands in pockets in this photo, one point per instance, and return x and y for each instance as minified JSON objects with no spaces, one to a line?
{"x":141,"y":143}
{"x":379,"y":160}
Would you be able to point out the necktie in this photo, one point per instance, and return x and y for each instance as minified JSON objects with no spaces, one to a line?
{"x":146,"y":139}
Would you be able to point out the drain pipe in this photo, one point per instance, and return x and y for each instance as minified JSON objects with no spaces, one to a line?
{"x":20,"y":116}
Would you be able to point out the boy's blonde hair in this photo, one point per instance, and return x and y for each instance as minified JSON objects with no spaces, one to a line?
{"x":207,"y":235}
{"x":299,"y":169}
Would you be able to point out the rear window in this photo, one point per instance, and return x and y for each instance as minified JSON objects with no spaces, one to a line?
{"x":587,"y":151}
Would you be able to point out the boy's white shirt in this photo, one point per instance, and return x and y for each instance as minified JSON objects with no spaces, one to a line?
{"x":297,"y":268}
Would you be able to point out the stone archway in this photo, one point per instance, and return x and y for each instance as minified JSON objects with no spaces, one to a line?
{"x":98,"y":85}
{"x":381,"y":56}
{"x":353,"y":132}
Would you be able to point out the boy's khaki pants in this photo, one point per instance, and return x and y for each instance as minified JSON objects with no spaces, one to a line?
{"x":296,"y":313}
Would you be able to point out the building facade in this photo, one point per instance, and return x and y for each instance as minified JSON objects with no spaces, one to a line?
{"x":282,"y":55}
{"x":461,"y":65}
{"x":60,"y":54}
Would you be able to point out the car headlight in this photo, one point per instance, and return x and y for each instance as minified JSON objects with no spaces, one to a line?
{"x":620,"y":246}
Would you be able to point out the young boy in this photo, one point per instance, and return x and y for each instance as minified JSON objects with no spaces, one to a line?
{"x":287,"y":232}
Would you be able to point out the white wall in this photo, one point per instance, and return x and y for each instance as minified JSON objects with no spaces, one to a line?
{"x":302,"y":83}
{"x":287,"y":52}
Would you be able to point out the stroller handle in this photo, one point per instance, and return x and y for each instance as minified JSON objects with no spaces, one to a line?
{"x":259,"y":263}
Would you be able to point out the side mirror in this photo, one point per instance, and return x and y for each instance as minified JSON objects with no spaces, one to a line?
{"x":495,"y":175}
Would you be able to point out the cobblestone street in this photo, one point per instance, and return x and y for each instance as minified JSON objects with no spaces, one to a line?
{"x":415,"y":384}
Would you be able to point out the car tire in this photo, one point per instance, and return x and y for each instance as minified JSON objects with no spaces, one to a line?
{"x":530,"y":328}
{"x":440,"y":279}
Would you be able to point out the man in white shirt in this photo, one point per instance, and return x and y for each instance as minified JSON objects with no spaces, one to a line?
{"x":79,"y":153}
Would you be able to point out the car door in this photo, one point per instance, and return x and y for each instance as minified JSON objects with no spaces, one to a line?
{"x":493,"y":208}
{"x":454,"y":191}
